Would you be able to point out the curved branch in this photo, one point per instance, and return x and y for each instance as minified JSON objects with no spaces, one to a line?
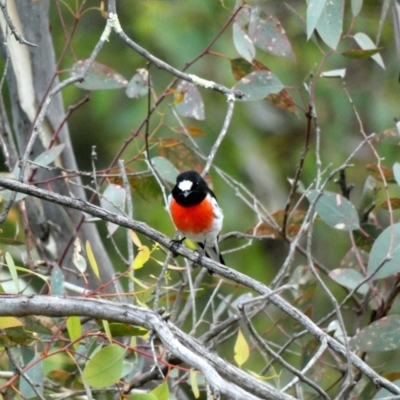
{"x":52,"y":306}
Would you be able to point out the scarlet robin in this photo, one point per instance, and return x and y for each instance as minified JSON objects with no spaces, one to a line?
{"x":195,"y":212}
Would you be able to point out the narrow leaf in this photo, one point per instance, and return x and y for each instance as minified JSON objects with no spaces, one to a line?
{"x":335,"y":73}
{"x":77,"y":258}
{"x":396,"y":172}
{"x":241,"y":349}
{"x":388,"y":243}
{"x":99,"y":77}
{"x":48,"y":156}
{"x":57,"y":281}
{"x":113,"y":200}
{"x":243,"y":44}
{"x":34,"y":373}
{"x":74,"y":329}
{"x":92,"y":259}
{"x":141,"y":258}
{"x":13,"y":271}
{"x":314,"y":11}
{"x":356,"y":6}
{"x":193,"y":384}
{"x":107,"y":330}
{"x":366,"y":43}
{"x":330,"y":23}
{"x":360,"y":54}
{"x":135,"y":238}
{"x":165,"y":168}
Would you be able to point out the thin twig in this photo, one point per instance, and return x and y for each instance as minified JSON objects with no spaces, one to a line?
{"x":221,"y":136}
{"x":16,"y":365}
{"x":12,"y":27}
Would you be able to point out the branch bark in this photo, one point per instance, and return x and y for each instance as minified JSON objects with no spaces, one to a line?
{"x":194,"y":356}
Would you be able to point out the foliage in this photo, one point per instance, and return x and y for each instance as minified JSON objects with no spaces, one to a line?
{"x":288,"y":110}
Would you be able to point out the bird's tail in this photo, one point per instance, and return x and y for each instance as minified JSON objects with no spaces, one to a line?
{"x":213,"y":252}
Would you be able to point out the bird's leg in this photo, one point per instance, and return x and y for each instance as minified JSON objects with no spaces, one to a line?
{"x":202,"y":253}
{"x":175,"y":244}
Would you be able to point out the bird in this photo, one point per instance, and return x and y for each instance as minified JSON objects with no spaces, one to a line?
{"x":195,"y":213}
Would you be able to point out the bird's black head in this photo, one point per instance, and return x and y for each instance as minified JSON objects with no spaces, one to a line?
{"x":190,"y":189}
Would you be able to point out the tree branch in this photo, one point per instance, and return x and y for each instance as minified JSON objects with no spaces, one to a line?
{"x":51,"y":306}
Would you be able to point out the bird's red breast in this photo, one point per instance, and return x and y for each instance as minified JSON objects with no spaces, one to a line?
{"x":194,"y":219}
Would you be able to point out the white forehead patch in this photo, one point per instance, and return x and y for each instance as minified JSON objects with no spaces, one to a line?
{"x":185,"y":185}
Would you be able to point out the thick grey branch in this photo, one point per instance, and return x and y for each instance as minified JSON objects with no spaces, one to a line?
{"x":19,"y":306}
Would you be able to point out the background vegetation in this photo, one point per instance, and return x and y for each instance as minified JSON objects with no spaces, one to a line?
{"x":304,"y":165}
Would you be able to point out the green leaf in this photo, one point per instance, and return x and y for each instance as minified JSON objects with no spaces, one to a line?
{"x":360,"y":54}
{"x":138,"y":86}
{"x":57,"y":281}
{"x":368,"y":197}
{"x":161,"y":391}
{"x":119,"y":329}
{"x":74,"y":329}
{"x":335,"y":73}
{"x":107,"y":330}
{"x":388,"y":239}
{"x":314,"y":11}
{"x":165,"y":168}
{"x":99,"y":77}
{"x":240,"y":68}
{"x":335,"y":210}
{"x":92,"y":259}
{"x":267,"y":33}
{"x":9,"y":322}
{"x":5,"y":194}
{"x":48,"y":156}
{"x":193,"y":384}
{"x":241,"y":349}
{"x":105,"y":368}
{"x":366,"y":43}
{"x":243,"y":44}
{"x":78,"y":260}
{"x":349,"y":278}
{"x":113,"y":200}
{"x":13,"y":271}
{"x":258,"y":84}
{"x":191,"y":105}
{"x":142,"y":396}
{"x":381,"y":335}
{"x":356,"y":6}
{"x":330,"y":23}
{"x":396,"y":172}
{"x":141,"y":258}
{"x":35,"y":373}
